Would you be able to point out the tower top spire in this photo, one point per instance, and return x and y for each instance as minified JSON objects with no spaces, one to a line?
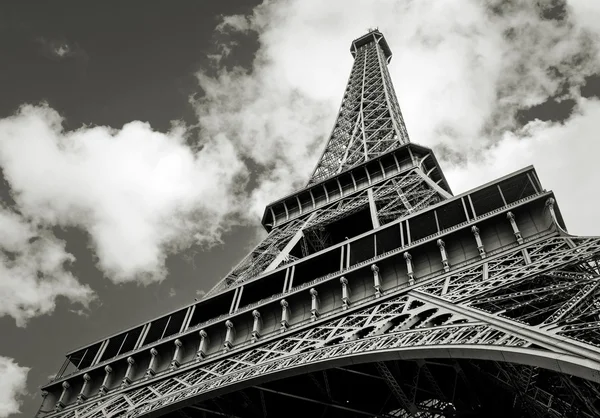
{"x":369,"y":122}
{"x":374,"y":35}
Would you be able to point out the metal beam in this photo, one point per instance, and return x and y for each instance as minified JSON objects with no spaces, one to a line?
{"x":332,"y":405}
{"x":395,"y":388}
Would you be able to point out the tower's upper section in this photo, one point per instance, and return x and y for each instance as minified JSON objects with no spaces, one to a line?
{"x":369,"y":122}
{"x":373,"y":36}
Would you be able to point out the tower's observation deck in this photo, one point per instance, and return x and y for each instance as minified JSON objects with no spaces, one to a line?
{"x":372,"y":36}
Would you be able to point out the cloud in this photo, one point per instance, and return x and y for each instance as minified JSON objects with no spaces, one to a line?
{"x":140,"y":194}
{"x":32,"y":270}
{"x":58,"y":49}
{"x":462,"y":73}
{"x":12,"y":386}
{"x":564,"y":155}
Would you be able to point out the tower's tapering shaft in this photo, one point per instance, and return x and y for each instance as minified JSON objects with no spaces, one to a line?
{"x":369,"y":122}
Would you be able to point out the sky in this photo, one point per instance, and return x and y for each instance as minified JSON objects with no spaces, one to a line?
{"x":140,"y":142}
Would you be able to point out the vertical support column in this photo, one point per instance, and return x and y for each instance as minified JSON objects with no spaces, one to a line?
{"x":396,"y":161}
{"x":348,"y":255}
{"x":63,"y":396}
{"x":186,"y":324}
{"x":314,"y":304}
{"x":480,"y":247}
{"x":150,"y":371}
{"x":343,"y":247}
{"x":345,"y":293}
{"x":284,"y":315}
{"x":228,"y":344}
{"x":401,"y":234}
{"x":376,"y":280}
{"x":287,"y":212}
{"x":176,"y":361}
{"x":382,"y":169}
{"x":535,"y":187}
{"x":185,"y":318}
{"x":83,"y":392}
{"x":234,"y":299}
{"x":291,"y":283}
{"x":102,"y":349}
{"x":464,"y":205}
{"x":375,"y":244}
{"x":106,"y":382}
{"x":201,"y":353}
{"x":373,"y":209}
{"x":286,"y":280}
{"x":256,"y":326}
{"x":472,"y":207}
{"x":442,"y":246}
{"x":140,"y":340}
{"x":127,"y":379}
{"x":326,"y":194}
{"x":239,"y":299}
{"x":409,"y":268}
{"x":513,"y":223}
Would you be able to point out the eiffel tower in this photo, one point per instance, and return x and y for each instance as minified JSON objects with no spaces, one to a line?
{"x":377,"y":293}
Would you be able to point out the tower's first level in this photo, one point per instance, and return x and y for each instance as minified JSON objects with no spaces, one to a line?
{"x":488,"y":279}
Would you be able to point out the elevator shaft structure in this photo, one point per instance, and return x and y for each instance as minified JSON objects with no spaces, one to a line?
{"x":377,"y":293}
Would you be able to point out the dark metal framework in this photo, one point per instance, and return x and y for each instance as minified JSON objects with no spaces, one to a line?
{"x":376,"y":293}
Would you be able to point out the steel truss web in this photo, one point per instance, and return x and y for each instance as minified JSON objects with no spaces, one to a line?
{"x":424,"y":317}
{"x":394,"y":197}
{"x":369,"y":122}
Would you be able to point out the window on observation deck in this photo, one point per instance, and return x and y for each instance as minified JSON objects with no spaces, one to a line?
{"x":486,"y":200}
{"x":165,"y":327}
{"x":121,"y":343}
{"x":450,"y":214}
{"x":388,"y":239}
{"x":211,"y":308}
{"x":79,"y":360}
{"x":319,"y":266}
{"x":422,"y":226}
{"x":516,"y":188}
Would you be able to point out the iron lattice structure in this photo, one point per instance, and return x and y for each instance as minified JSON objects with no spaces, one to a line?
{"x":377,"y":293}
{"x":369,"y":123}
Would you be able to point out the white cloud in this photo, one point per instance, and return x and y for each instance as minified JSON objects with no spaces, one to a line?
{"x":32,"y":270}
{"x":564,"y":155}
{"x":12,"y":386}
{"x":58,"y":49}
{"x":461,"y":72}
{"x":62,"y":50}
{"x":139,"y":193}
